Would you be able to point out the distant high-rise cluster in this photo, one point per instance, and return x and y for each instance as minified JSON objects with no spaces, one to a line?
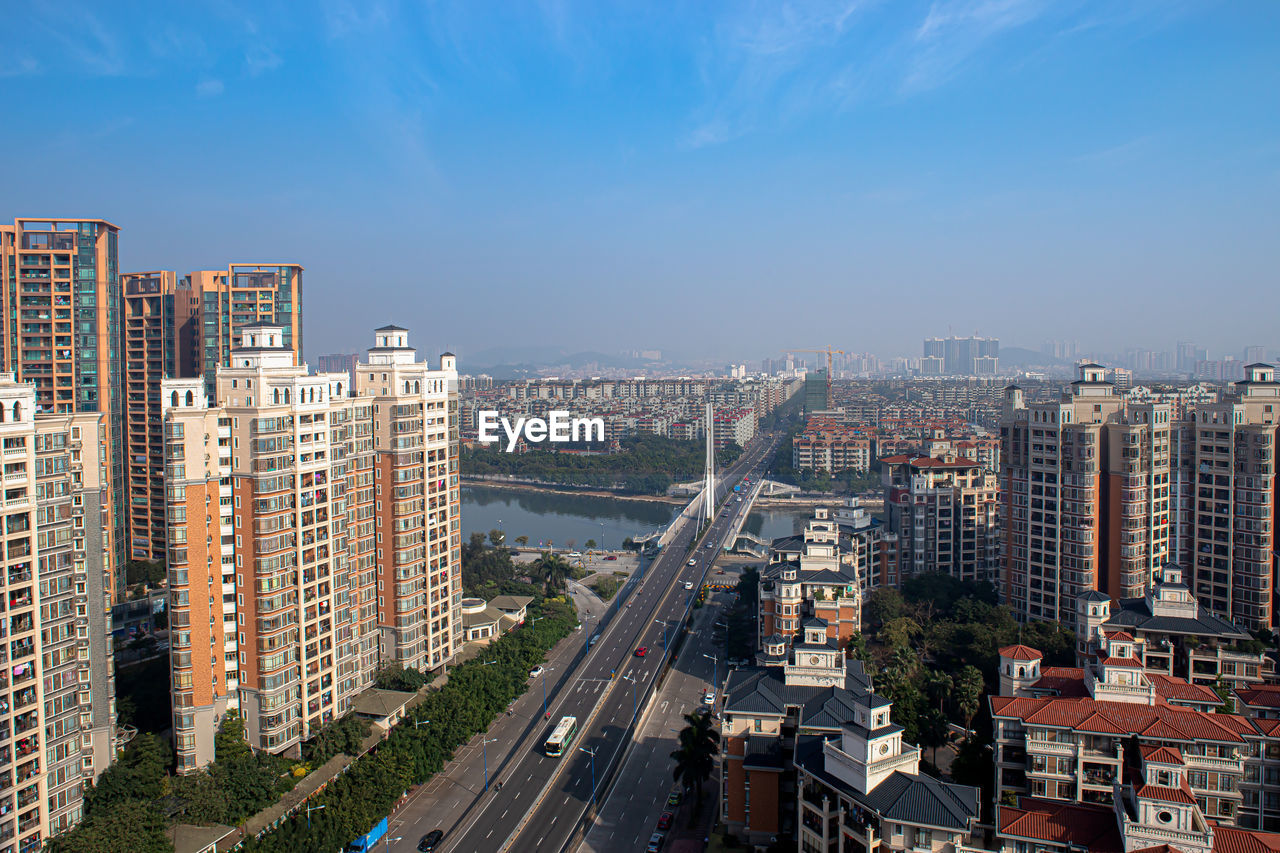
{"x":952,"y":356}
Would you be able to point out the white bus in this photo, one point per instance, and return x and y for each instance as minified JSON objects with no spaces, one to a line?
{"x":562,"y":736}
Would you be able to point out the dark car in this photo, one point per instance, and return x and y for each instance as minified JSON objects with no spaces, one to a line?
{"x":430,"y":840}
{"x":674,"y":799}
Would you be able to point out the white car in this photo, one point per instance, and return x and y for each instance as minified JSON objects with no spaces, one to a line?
{"x":535,"y":672}
{"x":688,"y":584}
{"x":693,"y":562}
{"x":709,"y":698}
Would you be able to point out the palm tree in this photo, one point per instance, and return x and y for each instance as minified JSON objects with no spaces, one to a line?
{"x":695,"y":757}
{"x":554,"y":570}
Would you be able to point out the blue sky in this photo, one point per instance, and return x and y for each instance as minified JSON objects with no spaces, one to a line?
{"x":712,"y":179}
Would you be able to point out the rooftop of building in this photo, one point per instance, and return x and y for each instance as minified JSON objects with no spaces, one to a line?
{"x":1134,"y":614}
{"x":901,"y":797}
{"x":1162,"y":721}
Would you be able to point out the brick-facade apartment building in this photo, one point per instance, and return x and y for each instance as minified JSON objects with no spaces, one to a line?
{"x":182,"y":328}
{"x":57,"y":700}
{"x":826,"y":572}
{"x":60,"y":300}
{"x":335,"y":544}
{"x":945,"y":513}
{"x":1098,"y":491}
{"x":1086,"y":496}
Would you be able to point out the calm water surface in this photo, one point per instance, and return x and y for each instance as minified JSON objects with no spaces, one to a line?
{"x":559,"y":518}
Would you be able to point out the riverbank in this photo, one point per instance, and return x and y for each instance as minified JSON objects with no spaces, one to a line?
{"x":561,"y":489}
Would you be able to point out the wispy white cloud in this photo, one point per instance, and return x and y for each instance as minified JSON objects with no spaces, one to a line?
{"x":1122,"y":152}
{"x":87,"y":41}
{"x":954,"y":31}
{"x":259,"y":58}
{"x":786,"y":60}
{"x":18,"y":66}
{"x":210,"y":88}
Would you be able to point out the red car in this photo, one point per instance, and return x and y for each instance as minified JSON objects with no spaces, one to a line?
{"x":642,"y":651}
{"x":664,"y":822}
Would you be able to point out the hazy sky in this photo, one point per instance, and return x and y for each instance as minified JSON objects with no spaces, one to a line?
{"x":711,"y":179}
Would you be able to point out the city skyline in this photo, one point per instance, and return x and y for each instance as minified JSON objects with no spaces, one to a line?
{"x":669,"y":173}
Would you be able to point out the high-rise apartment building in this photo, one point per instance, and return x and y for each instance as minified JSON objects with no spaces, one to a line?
{"x":57,"y":702}
{"x":1086,"y":495}
{"x":945,"y":513}
{"x":161,"y":339}
{"x":973,"y":356}
{"x":418,"y":519}
{"x":60,"y":296}
{"x":243,"y":295}
{"x":1228,"y":510}
{"x":339,"y":363}
{"x":817,"y":393}
{"x":319,"y":536}
{"x":202,"y":570}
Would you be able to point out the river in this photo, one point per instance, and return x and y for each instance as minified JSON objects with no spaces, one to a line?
{"x":560,"y":517}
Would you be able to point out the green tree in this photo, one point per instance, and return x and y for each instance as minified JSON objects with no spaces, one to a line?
{"x":496,"y":537}
{"x":898,"y":633}
{"x":933,"y":731}
{"x":554,"y":571}
{"x":884,"y":604}
{"x":939,"y":686}
{"x":522,"y":541}
{"x":968,"y":692}
{"x":695,"y":756}
{"x":134,"y":825}
{"x":590,"y":544}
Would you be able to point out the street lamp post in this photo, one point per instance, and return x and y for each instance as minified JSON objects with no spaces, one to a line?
{"x":715,"y":659}
{"x":420,"y":723}
{"x":592,"y":753}
{"x":311,"y":809}
{"x":664,"y":624}
{"x":390,"y":839}
{"x":484,"y":748}
{"x":533,"y":620}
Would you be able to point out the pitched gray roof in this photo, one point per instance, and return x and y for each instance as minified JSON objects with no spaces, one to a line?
{"x":762,"y":690}
{"x":511,"y":602}
{"x":902,"y":797}
{"x":1133,"y":614}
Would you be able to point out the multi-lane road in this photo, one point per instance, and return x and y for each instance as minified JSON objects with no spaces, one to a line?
{"x":639,"y":795}
{"x":543,"y":799}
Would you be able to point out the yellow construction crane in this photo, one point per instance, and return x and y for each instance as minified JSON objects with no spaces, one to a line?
{"x":829,"y":352}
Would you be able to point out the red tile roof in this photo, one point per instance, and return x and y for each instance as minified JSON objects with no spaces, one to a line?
{"x":1091,"y":827}
{"x":1094,"y":828}
{"x":1168,"y":795}
{"x":1162,"y":754}
{"x":1261,"y":695}
{"x":1020,"y":652}
{"x":1066,"y":681}
{"x":1164,"y":722}
{"x":1228,"y":839}
{"x":1174,"y":689}
{"x":1125,"y":662}
{"x":1122,"y":636}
